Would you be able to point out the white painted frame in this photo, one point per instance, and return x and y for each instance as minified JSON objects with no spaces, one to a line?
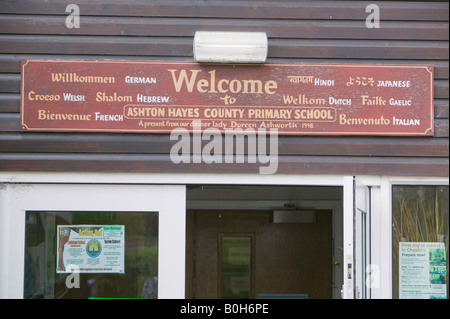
{"x":381,"y":229}
{"x":385,"y":225}
{"x":174,"y":203}
{"x":168,"y":200}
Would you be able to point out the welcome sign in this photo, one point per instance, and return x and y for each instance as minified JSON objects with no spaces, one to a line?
{"x":158,"y":97}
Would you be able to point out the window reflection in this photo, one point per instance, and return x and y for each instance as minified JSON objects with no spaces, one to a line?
{"x":140,"y":277}
{"x":236,"y":267}
{"x":420,"y":216}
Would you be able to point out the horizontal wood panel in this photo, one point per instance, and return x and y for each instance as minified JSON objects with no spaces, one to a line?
{"x":354,"y":49}
{"x":351,"y":49}
{"x":96,"y":45}
{"x":10,"y":122}
{"x":441,"y":109}
{"x":186,"y":27}
{"x":441,"y":89}
{"x":409,"y":166}
{"x":10,"y":83}
{"x":161,"y":144}
{"x":10,"y":63}
{"x":323,"y":10}
{"x":298,"y":31}
{"x":441,"y":128}
{"x":10,"y":103}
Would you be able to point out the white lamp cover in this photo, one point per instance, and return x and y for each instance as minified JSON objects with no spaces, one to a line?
{"x":230,"y":47}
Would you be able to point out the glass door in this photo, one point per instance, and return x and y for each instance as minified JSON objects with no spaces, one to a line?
{"x":236,"y":266}
{"x":93,"y":241}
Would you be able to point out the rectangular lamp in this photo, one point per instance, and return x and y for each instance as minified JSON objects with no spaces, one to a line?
{"x":230,"y":47}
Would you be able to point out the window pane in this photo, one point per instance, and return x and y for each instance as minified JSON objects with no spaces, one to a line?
{"x":420,"y":241}
{"x":236,"y":268}
{"x":115,"y":253}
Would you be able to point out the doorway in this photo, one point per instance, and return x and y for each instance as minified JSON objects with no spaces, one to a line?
{"x":236,"y":248}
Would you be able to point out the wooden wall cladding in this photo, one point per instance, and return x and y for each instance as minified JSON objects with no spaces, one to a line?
{"x":298,"y":31}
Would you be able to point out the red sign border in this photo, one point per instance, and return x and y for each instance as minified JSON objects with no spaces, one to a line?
{"x":428,"y":132}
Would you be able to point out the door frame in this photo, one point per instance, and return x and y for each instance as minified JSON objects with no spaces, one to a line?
{"x":168,"y":200}
{"x":335,"y":206}
{"x":385,"y":223}
{"x":220,"y":237}
{"x":361,"y":201}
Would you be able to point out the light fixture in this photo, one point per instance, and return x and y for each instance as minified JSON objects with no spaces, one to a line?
{"x":281,"y":216}
{"x":230,"y":47}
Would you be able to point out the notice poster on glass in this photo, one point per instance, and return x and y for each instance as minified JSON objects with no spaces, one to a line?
{"x":90,"y":249}
{"x":422,"y":270}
